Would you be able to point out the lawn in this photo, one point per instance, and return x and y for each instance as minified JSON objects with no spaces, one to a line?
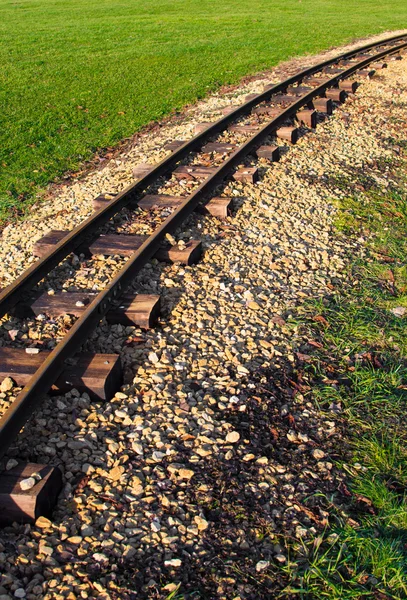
{"x":78,"y":76}
{"x":361,"y":366}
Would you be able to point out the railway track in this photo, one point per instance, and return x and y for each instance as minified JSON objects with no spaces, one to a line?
{"x":281,"y":112}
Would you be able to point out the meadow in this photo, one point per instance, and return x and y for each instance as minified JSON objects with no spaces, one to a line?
{"x":78,"y":76}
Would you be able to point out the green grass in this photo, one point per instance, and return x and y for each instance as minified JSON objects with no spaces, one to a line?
{"x":364,"y":348}
{"x":77,"y":76}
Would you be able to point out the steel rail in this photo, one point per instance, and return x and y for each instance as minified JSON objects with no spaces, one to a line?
{"x":21,"y":409}
{"x":88,"y":228}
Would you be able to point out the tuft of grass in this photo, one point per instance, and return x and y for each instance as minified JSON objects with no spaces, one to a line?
{"x":362,"y":367}
{"x":79,"y":76}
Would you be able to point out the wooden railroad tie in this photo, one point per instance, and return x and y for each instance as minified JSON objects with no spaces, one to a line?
{"x":332,"y":71}
{"x":142,"y":170}
{"x":336,"y":94}
{"x":218,"y":148}
{"x":124,"y":245}
{"x":141,"y":310}
{"x":159,"y":201}
{"x":193,"y":172}
{"x":100,"y":375}
{"x":317,"y":81}
{"x":217,"y":207}
{"x":200,"y":127}
{"x":250,"y":97}
{"x":308,"y":118}
{"x":271,"y":153}
{"x":226,"y":110}
{"x":323,"y":105}
{"x":271,"y":111}
{"x":247,"y":175}
{"x":174,"y":145}
{"x":289,"y":134}
{"x":28,"y":491}
{"x":378,"y":65}
{"x":299,"y":90}
{"x":348,"y":86}
{"x":366,"y":73}
{"x":249,"y":129}
{"x":284,"y":99}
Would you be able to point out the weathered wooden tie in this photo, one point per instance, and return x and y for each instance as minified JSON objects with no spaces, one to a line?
{"x":289,"y":134}
{"x":332,"y":71}
{"x":124,"y":245}
{"x":244,"y":129}
{"x":116,"y":244}
{"x":348,"y":86}
{"x":193,"y":172}
{"x":102,"y":200}
{"x":100,"y":375}
{"x":299,"y":90}
{"x":226,"y":110}
{"x":271,"y":111}
{"x":378,"y":65}
{"x":140,"y":310}
{"x":159,"y":201}
{"x":141,"y":170}
{"x":336,"y":94}
{"x":174,"y":145}
{"x":217,"y":207}
{"x":28,"y":491}
{"x":317,"y":81}
{"x":366,"y":73}
{"x":185,"y":255}
{"x":247,"y":175}
{"x":218,"y":148}
{"x":308,"y":118}
{"x":250,"y":97}
{"x":323,"y":105}
{"x":284,"y":99}
{"x":271,"y":153}
{"x":200,"y":127}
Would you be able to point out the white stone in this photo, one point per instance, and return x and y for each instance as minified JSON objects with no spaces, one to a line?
{"x":6,"y":385}
{"x":174,"y":562}
{"x":201,"y":523}
{"x":262,"y":565}
{"x":153,"y":358}
{"x":99,"y":557}
{"x":233,"y":437}
{"x":27,"y":484}
{"x":399,"y":311}
{"x":158,"y":456}
{"x":11,"y":464}
{"x":155,"y":525}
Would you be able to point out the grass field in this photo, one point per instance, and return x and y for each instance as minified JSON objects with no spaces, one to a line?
{"x":364,"y":351}
{"x":77,"y":76}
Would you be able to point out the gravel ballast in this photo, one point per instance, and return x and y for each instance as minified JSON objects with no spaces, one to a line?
{"x":189,"y":475}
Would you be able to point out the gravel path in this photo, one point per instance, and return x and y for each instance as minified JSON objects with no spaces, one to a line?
{"x":192,"y":471}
